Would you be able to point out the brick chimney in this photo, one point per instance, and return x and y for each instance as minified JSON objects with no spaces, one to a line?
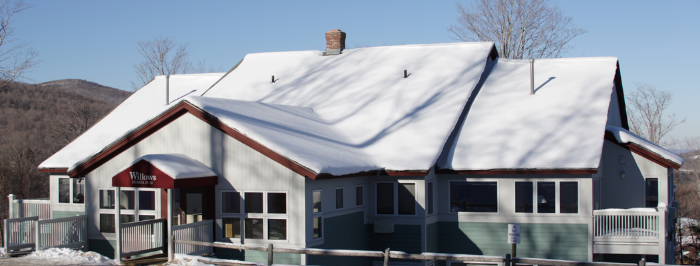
{"x":335,"y":42}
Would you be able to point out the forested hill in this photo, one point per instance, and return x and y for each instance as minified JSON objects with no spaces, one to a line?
{"x":36,"y":120}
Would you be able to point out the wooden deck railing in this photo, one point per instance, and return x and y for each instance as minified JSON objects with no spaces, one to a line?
{"x":142,"y":237}
{"x":20,"y":233}
{"x":29,"y":207}
{"x":200,"y":231}
{"x":387,"y":255}
{"x":69,"y":232}
{"x":628,"y":223}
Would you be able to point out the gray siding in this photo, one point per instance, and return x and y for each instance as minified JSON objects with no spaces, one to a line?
{"x":343,"y":232}
{"x":552,"y":241}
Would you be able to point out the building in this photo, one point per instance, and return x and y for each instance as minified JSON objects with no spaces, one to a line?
{"x":420,"y":148}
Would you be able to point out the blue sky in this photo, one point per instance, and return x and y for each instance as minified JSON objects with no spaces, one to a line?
{"x":656,"y":42}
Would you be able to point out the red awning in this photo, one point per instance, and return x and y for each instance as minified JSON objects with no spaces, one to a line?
{"x":165,"y":171}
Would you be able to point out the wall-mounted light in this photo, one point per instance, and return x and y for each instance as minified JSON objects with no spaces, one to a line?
{"x":622,"y":174}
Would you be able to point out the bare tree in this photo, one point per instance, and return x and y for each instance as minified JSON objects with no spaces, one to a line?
{"x":646,"y":109}
{"x":161,"y":56}
{"x":15,"y":58}
{"x":77,"y":119}
{"x":519,"y":28}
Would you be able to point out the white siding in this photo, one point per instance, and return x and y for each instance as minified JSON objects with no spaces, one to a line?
{"x":239,"y":167}
{"x":614,"y":116}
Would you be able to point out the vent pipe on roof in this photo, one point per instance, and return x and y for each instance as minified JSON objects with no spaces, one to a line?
{"x":532,"y":76}
{"x":335,"y":42}
{"x":167,"y":89}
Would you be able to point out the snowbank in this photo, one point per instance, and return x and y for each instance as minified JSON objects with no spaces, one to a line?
{"x":188,"y":260}
{"x":65,"y":256}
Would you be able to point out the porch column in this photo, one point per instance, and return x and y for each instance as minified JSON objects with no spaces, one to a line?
{"x":663,"y":243}
{"x":117,"y":225}
{"x":171,"y":246}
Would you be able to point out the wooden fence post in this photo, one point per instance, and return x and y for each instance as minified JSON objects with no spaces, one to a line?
{"x":269,"y":255}
{"x":642,"y":262}
{"x":386,"y":257}
{"x":11,"y":200}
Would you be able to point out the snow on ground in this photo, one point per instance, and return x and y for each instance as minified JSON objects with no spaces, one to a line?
{"x":64,"y":256}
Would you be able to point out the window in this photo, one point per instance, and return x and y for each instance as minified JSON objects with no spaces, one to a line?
{"x":546,"y":197}
{"x":407,"y":198}
{"x":135,"y":205}
{"x":276,"y":202}
{"x":551,"y":197}
{"x":317,"y":201}
{"x":473,"y":196}
{"x":339,"y":198}
{"x":254,"y":202}
{"x":385,"y":198}
{"x":231,"y":202}
{"x":106,"y":199}
{"x":106,"y":223}
{"x":71,"y":190}
{"x":568,"y":197}
{"x":64,"y":190}
{"x":430,"y":198}
{"x":317,"y":214}
{"x":396,"y":198}
{"x":260,"y":215}
{"x":359,"y":196}
{"x":524,"y":197}
{"x":232,"y":227}
{"x":652,"y":192}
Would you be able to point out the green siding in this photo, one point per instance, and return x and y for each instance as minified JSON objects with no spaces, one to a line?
{"x":62,"y":214}
{"x":104,"y":247}
{"x":405,"y":238}
{"x":342,"y":232}
{"x":552,"y":241}
{"x":257,"y":256}
{"x":432,"y":241}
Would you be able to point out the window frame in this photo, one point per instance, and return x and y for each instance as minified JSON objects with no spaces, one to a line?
{"x":243,"y":216}
{"x":396,"y":198}
{"x":498,"y":196}
{"x":361,"y":197}
{"x":137,"y":213}
{"x":71,"y":184}
{"x":557,"y":197}
{"x":430,"y":198}
{"x":317,"y":215}
{"x":342,"y":200}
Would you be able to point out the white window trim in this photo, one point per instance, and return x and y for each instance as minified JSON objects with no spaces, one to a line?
{"x":242,"y":215}
{"x":557,"y":197}
{"x":498,"y":195}
{"x":136,"y":212}
{"x":70,"y":190}
{"x":396,"y":198}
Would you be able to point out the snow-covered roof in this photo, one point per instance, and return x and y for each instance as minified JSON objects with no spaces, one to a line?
{"x":297,"y":133}
{"x":177,"y":166}
{"x":142,"y":106}
{"x":561,"y":126}
{"x":624,"y":136}
{"x":359,"y":100}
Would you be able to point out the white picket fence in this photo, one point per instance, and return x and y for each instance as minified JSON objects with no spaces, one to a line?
{"x":142,"y":237}
{"x":200,"y":231}
{"x":33,"y":234}
{"x":29,"y":207}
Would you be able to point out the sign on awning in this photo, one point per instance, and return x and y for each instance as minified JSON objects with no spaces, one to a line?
{"x":165,"y":171}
